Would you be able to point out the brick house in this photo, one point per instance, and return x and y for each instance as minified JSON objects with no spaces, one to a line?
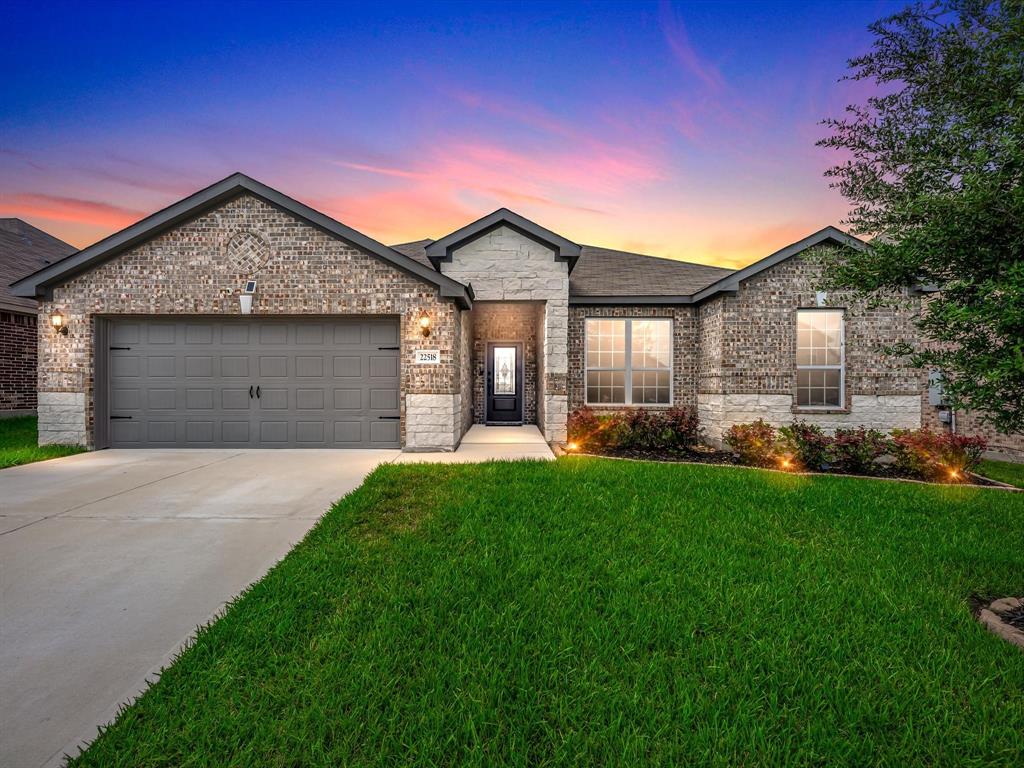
{"x":241,"y":317}
{"x":23,"y":250}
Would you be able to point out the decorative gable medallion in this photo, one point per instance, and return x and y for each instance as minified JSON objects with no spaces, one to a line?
{"x":247,"y":251}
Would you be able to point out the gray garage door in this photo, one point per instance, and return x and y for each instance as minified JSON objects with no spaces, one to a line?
{"x":205,"y":383}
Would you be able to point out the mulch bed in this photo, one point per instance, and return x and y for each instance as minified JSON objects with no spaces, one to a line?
{"x":702,"y":454}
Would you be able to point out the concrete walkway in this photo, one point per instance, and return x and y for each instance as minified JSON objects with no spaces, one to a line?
{"x":109,"y":561}
{"x":483,"y":443}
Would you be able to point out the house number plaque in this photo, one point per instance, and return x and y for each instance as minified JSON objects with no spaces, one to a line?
{"x":428,"y":356}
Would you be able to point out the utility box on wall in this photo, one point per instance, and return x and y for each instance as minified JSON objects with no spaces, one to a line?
{"x":936,"y":391}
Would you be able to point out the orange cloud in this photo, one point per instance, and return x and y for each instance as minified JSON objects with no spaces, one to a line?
{"x":70,"y":209}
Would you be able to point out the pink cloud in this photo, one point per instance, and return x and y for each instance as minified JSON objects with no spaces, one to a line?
{"x":69,"y":209}
{"x":679,"y":42}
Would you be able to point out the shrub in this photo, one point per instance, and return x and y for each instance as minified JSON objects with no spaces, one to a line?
{"x":582,"y":423}
{"x":634,"y":429}
{"x":934,"y":456}
{"x":855,"y":450}
{"x":805,"y":444}
{"x":753,"y":443}
{"x":683,"y":427}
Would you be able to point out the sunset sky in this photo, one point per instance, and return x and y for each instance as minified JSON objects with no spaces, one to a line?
{"x":684,"y":130}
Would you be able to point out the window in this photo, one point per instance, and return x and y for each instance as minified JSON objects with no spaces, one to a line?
{"x":819,"y":358}
{"x":629,"y":362}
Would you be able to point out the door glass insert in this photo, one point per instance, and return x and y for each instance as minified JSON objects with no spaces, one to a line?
{"x":504,"y":370}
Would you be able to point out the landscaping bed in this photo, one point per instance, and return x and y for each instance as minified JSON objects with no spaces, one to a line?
{"x":674,"y":435}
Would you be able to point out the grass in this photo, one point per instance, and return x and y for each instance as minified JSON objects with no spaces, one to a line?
{"x":599,"y":612}
{"x":1003,"y":471}
{"x":18,"y":443}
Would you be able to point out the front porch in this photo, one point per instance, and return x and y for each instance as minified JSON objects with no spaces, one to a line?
{"x":489,"y":443}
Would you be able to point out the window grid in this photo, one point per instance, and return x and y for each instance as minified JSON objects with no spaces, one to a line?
{"x":628,"y":361}
{"x":820,"y":363}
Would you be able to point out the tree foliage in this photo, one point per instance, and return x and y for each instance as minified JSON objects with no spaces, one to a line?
{"x":933,"y":164}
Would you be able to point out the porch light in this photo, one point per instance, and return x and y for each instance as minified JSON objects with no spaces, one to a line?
{"x":424,"y":323}
{"x":57,"y":323}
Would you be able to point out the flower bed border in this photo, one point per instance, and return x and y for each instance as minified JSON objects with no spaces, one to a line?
{"x":988,"y":482}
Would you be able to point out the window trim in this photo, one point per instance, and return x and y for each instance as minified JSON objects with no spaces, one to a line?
{"x":841,"y":367}
{"x":628,"y":369}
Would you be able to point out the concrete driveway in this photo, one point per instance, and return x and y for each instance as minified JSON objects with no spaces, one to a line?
{"x":109,"y":561}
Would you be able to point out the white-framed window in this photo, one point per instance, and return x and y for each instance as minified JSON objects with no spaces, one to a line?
{"x":628,"y":361}
{"x":820,"y":358}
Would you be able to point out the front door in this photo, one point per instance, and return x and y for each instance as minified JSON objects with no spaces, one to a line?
{"x":504,"y":383}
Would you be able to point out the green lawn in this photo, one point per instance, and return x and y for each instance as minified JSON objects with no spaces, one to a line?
{"x":18,"y":443}
{"x":1003,"y":471}
{"x":595,"y":612}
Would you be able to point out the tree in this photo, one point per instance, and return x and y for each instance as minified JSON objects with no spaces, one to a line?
{"x":933,"y":169}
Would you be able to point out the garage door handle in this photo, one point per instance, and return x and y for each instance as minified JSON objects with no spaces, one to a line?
{"x":250,"y":391}
{"x":380,"y":348}
{"x":390,"y":418}
{"x":120,"y":417}
{"x":121,"y":348}
{"x":257,"y":391}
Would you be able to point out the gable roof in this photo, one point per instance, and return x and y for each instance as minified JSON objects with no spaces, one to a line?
{"x":607,"y":276}
{"x":731,"y":283}
{"x":441,"y":250}
{"x":24,"y":249}
{"x":39,"y":283}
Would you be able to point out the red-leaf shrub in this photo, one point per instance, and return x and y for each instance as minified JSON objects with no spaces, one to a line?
{"x":583,"y":423}
{"x":936,"y":456}
{"x":805,"y":444}
{"x":634,"y":429}
{"x":753,"y":443}
{"x":683,"y":426}
{"x":856,"y":450}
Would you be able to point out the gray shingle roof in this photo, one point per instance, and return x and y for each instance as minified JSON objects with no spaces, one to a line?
{"x":611,"y":273}
{"x":23,"y":250}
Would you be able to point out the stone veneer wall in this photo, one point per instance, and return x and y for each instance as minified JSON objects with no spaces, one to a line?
{"x":747,"y":367}
{"x":18,"y":351}
{"x":504,"y":321}
{"x":684,"y":350}
{"x":200,"y":266}
{"x":466,"y":370}
{"x":503,"y":265}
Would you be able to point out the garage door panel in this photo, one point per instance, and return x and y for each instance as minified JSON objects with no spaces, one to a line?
{"x":383,"y":433}
{"x":187,"y":383}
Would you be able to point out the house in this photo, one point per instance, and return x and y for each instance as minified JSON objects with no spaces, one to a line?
{"x":241,"y":317}
{"x":23,"y":250}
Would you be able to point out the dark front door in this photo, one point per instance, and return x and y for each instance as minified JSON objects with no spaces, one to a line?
{"x":505,"y":383}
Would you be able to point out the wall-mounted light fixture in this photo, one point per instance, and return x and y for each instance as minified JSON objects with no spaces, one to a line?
{"x":424,"y":323}
{"x":58,"y":324}
{"x":245,"y":297}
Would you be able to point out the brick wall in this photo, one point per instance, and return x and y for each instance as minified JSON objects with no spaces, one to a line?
{"x":684,"y":349}
{"x":504,"y":321}
{"x":18,"y":351}
{"x":200,"y":266}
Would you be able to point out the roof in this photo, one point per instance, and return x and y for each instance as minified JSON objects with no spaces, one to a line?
{"x":40,"y":283}
{"x":25,"y":249}
{"x":616,"y":275}
{"x":603,"y":272}
{"x":564,"y":250}
{"x":731,"y":283}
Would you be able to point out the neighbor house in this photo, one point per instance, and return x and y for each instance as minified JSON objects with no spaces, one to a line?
{"x":241,"y":317}
{"x":23,"y":250}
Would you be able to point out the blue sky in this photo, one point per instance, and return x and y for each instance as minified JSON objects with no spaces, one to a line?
{"x":680,"y":129}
